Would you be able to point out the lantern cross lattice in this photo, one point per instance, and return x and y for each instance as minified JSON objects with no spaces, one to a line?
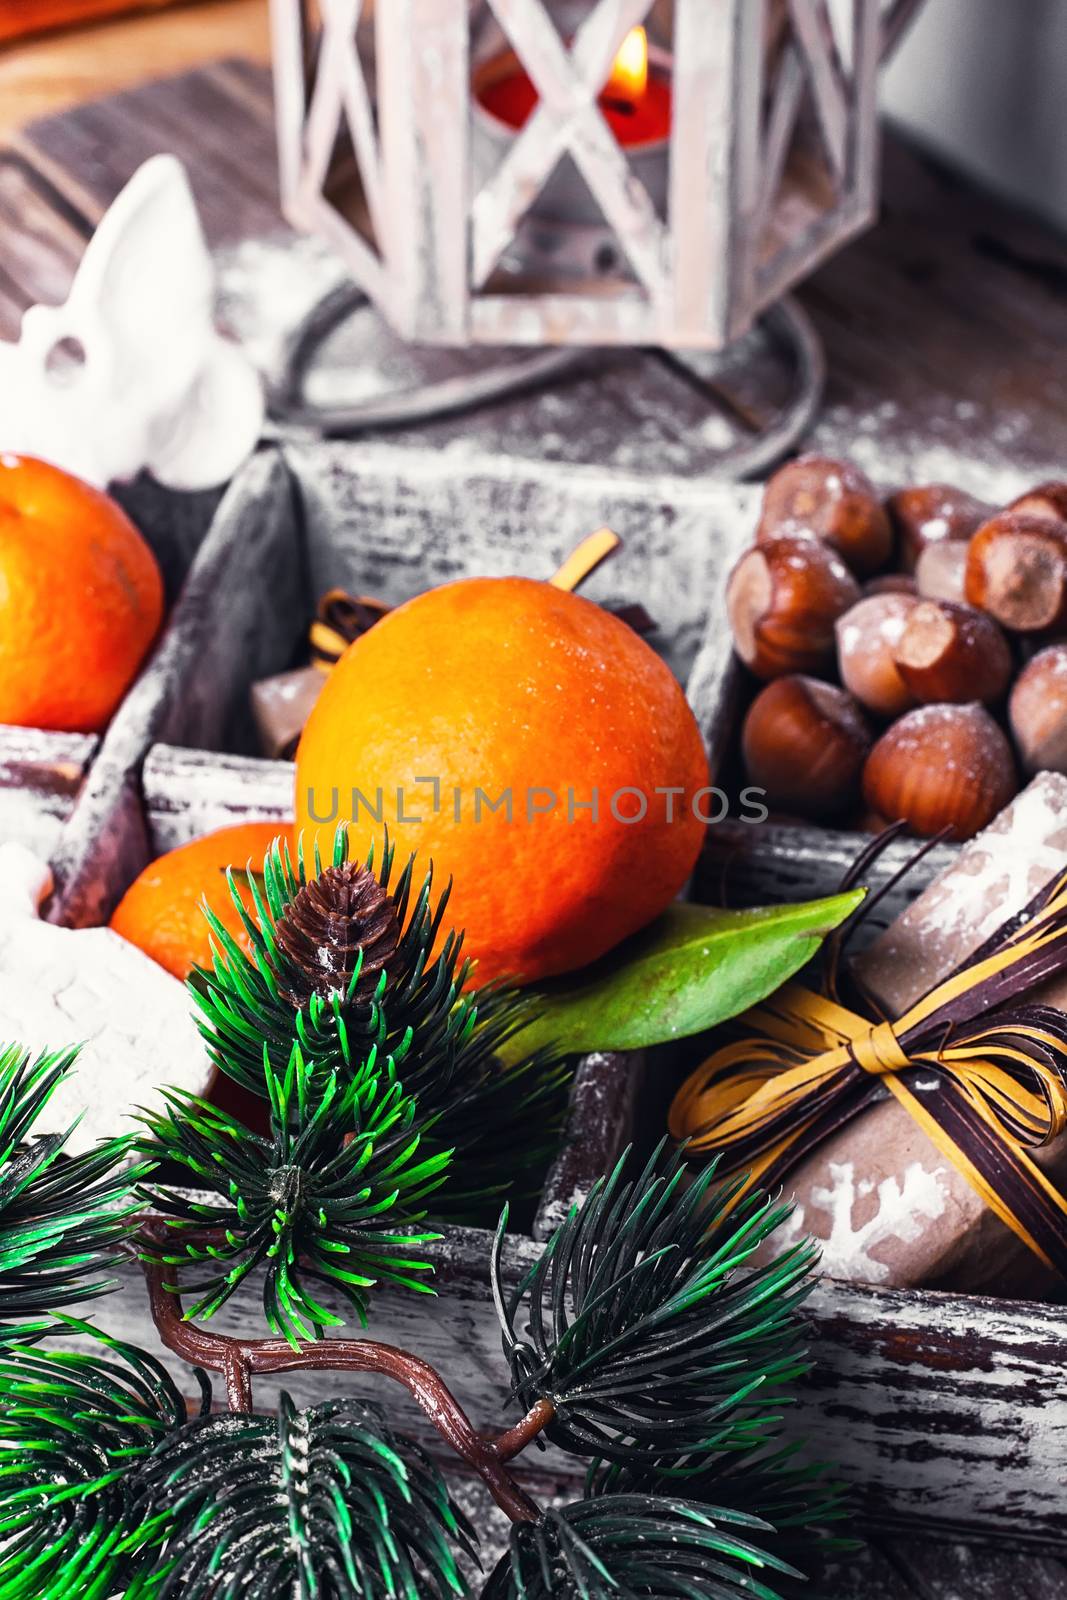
{"x":569,"y":121}
{"x":771,"y":163}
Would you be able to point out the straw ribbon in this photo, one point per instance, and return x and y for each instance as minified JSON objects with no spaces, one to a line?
{"x":878,"y":1050}
{"x":983,"y":1076}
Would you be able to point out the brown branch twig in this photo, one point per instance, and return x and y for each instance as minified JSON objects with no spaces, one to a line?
{"x":238,"y":1360}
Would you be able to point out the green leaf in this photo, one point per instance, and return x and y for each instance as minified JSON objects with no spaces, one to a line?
{"x":694,"y":967}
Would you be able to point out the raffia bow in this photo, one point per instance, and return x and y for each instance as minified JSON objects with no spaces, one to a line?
{"x":986,"y":1085}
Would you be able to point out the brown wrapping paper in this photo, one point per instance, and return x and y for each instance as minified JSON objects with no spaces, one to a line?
{"x":888,"y":1206}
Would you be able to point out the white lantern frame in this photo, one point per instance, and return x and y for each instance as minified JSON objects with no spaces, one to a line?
{"x":749,"y":213}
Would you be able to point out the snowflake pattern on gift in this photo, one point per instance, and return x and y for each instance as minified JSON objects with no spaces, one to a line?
{"x":905,"y":1206}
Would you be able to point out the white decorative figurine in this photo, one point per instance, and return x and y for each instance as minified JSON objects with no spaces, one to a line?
{"x":69,"y":986}
{"x":131,"y":373}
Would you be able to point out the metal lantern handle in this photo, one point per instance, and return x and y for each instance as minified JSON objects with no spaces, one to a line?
{"x":787,"y":326}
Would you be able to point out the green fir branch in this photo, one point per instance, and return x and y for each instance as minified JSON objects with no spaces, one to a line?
{"x":445,"y":1039}
{"x":247,"y":1016}
{"x":638,"y":1545}
{"x":646,"y":1324}
{"x":504,"y":1126}
{"x":332,"y":1195}
{"x":63,"y":1218}
{"x":74,"y":1426}
{"x":325,"y":1502}
{"x":802,"y":1500}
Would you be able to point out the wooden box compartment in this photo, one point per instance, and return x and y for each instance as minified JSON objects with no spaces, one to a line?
{"x":41,"y":771}
{"x":41,"y":775}
{"x":176,"y":762}
{"x":946,"y":1413}
{"x":379,"y":520}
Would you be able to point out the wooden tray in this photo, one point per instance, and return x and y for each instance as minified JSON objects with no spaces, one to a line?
{"x":946,"y":1412}
{"x":175,"y":761}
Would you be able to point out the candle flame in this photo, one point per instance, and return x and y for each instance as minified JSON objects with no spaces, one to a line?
{"x":629,"y":74}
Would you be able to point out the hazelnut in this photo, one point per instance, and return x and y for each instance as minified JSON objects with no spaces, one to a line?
{"x":783,"y":598}
{"x":816,"y":497}
{"x":933,"y":513}
{"x":1037,"y":711}
{"x":941,"y":571}
{"x":1046,"y":500}
{"x":804,"y":743}
{"x":952,"y":652}
{"x":891,"y":583}
{"x":1017,"y":571}
{"x":941,"y":767}
{"x":867,"y":635}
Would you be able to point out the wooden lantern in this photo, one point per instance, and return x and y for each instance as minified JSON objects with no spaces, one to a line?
{"x":453,"y":226}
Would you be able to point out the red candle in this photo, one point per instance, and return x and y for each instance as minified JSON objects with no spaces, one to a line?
{"x":635,"y":100}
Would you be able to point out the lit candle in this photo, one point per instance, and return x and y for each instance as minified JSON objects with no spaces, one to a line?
{"x":636,"y":101}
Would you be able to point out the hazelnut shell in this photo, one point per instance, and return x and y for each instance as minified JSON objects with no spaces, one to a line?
{"x":818,"y":497}
{"x":933,"y":513}
{"x":804,"y":743}
{"x":867,"y":635}
{"x":941,"y":767}
{"x":953,"y":653}
{"x":783,"y":598}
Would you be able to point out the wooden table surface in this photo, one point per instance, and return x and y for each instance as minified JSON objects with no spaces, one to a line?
{"x":48,"y":72}
{"x":945,"y":328}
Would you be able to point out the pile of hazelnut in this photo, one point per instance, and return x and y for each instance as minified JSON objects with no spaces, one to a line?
{"x":913,"y":652}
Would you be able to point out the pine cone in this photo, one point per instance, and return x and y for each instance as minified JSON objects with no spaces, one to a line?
{"x":325,"y":926}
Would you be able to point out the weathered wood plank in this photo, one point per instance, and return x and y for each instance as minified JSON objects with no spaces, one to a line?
{"x":868,"y":1575}
{"x":54,"y":763}
{"x":193,"y":688}
{"x":393,"y":521}
{"x":956,"y":1572}
{"x":41,"y":244}
{"x":754,"y":863}
{"x":40,"y":776}
{"x":89,"y":152}
{"x":190,"y":792}
{"x":945,"y":1412}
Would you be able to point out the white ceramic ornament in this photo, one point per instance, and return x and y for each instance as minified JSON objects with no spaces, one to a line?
{"x":131,"y":373}
{"x":65,"y":986}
